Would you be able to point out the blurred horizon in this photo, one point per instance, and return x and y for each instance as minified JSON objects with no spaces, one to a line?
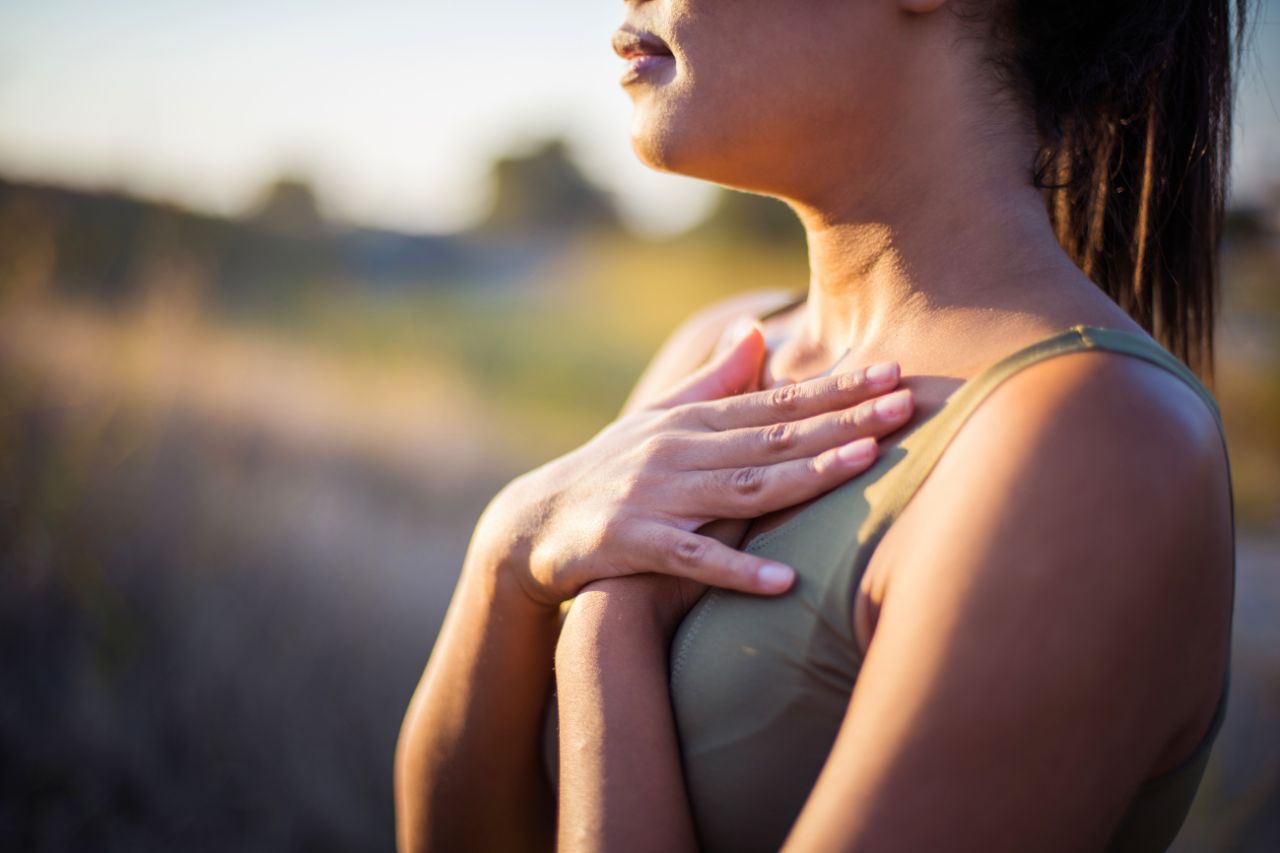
{"x":391,"y":110}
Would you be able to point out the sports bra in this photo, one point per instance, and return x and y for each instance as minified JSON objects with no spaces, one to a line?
{"x":760,"y":685}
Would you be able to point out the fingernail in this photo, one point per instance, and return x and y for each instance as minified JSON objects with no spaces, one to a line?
{"x":893,"y":405}
{"x":883,"y":372}
{"x":856,"y":451}
{"x":774,"y":577}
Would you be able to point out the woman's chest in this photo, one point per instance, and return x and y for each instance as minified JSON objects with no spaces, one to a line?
{"x":759,"y":686}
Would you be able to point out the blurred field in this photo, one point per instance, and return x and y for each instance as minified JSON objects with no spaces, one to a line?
{"x":231,"y":524}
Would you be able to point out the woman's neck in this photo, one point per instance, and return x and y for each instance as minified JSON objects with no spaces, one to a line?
{"x":949,"y":258}
{"x":935,"y":241}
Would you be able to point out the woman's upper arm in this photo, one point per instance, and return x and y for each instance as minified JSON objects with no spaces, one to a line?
{"x":1049,"y":632}
{"x":689,"y":346}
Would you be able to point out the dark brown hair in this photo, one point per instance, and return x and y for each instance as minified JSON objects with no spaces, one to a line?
{"x":1132,"y":102}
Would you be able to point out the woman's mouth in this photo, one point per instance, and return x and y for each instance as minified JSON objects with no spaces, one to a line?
{"x":646,"y":54}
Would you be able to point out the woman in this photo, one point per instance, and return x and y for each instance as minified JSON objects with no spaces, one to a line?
{"x":1007,"y":631}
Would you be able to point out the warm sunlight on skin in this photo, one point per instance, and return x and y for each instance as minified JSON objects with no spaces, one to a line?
{"x":1042,"y":674}
{"x":887,"y":87}
{"x":916,"y":257}
{"x":752,"y":81}
{"x":739,"y":426}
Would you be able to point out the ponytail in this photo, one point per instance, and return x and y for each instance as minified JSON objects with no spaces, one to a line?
{"x":1132,"y":102}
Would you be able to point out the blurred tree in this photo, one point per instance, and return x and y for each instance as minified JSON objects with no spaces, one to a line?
{"x":545,"y":191}
{"x":28,"y":247}
{"x":288,"y":206}
{"x":740,"y":216}
{"x":283,"y":250}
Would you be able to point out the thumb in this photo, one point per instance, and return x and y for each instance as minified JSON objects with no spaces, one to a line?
{"x":734,"y":370}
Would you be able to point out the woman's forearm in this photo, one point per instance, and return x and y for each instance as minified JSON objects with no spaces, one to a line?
{"x":468,"y":763}
{"x":622,"y":506}
{"x":621,"y":783}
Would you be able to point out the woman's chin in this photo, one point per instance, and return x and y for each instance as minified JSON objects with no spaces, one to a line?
{"x":666,"y":153}
{"x":662,"y":145}
{"x":654,"y":149}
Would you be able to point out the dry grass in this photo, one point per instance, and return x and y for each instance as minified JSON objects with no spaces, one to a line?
{"x":228,"y":543}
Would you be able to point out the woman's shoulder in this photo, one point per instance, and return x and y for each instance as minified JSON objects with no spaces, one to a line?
{"x":1109,"y":407}
{"x":1088,"y":501}
{"x":697,"y":338}
{"x":1054,"y":620}
{"x":1091,"y":415}
{"x":1124,"y":441}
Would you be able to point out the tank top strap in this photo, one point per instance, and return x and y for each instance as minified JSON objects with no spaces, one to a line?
{"x":932,"y":437}
{"x":925,"y":445}
{"x":1144,"y":347}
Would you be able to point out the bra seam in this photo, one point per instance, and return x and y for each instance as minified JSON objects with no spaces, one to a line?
{"x":678,"y":659}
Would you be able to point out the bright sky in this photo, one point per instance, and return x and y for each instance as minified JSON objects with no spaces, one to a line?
{"x":393,"y":108}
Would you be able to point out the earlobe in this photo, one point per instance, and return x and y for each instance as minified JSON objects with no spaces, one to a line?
{"x":920,"y":7}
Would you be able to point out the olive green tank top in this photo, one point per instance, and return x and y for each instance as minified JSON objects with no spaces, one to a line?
{"x":760,"y":685}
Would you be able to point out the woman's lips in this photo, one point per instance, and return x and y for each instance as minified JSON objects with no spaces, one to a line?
{"x":643,"y":64}
{"x":645,"y":53}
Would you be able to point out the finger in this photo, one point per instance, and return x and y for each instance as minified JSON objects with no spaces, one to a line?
{"x":733,"y":371}
{"x":752,"y":490}
{"x":672,"y":551}
{"x":765,"y":445}
{"x":793,"y":402}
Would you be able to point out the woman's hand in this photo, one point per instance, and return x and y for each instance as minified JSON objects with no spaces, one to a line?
{"x":630,"y":500}
{"x":469,"y":772}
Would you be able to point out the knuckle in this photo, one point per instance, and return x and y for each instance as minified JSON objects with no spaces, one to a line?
{"x":688,"y":551}
{"x":849,"y":420}
{"x":688,"y":416}
{"x":778,"y":437}
{"x":657,"y":446}
{"x":661,"y":448}
{"x":846,"y":382}
{"x":864,"y":414}
{"x":611,"y":530}
{"x":685,"y":415}
{"x":785,"y":398}
{"x":677,"y":414}
{"x":747,"y":481}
